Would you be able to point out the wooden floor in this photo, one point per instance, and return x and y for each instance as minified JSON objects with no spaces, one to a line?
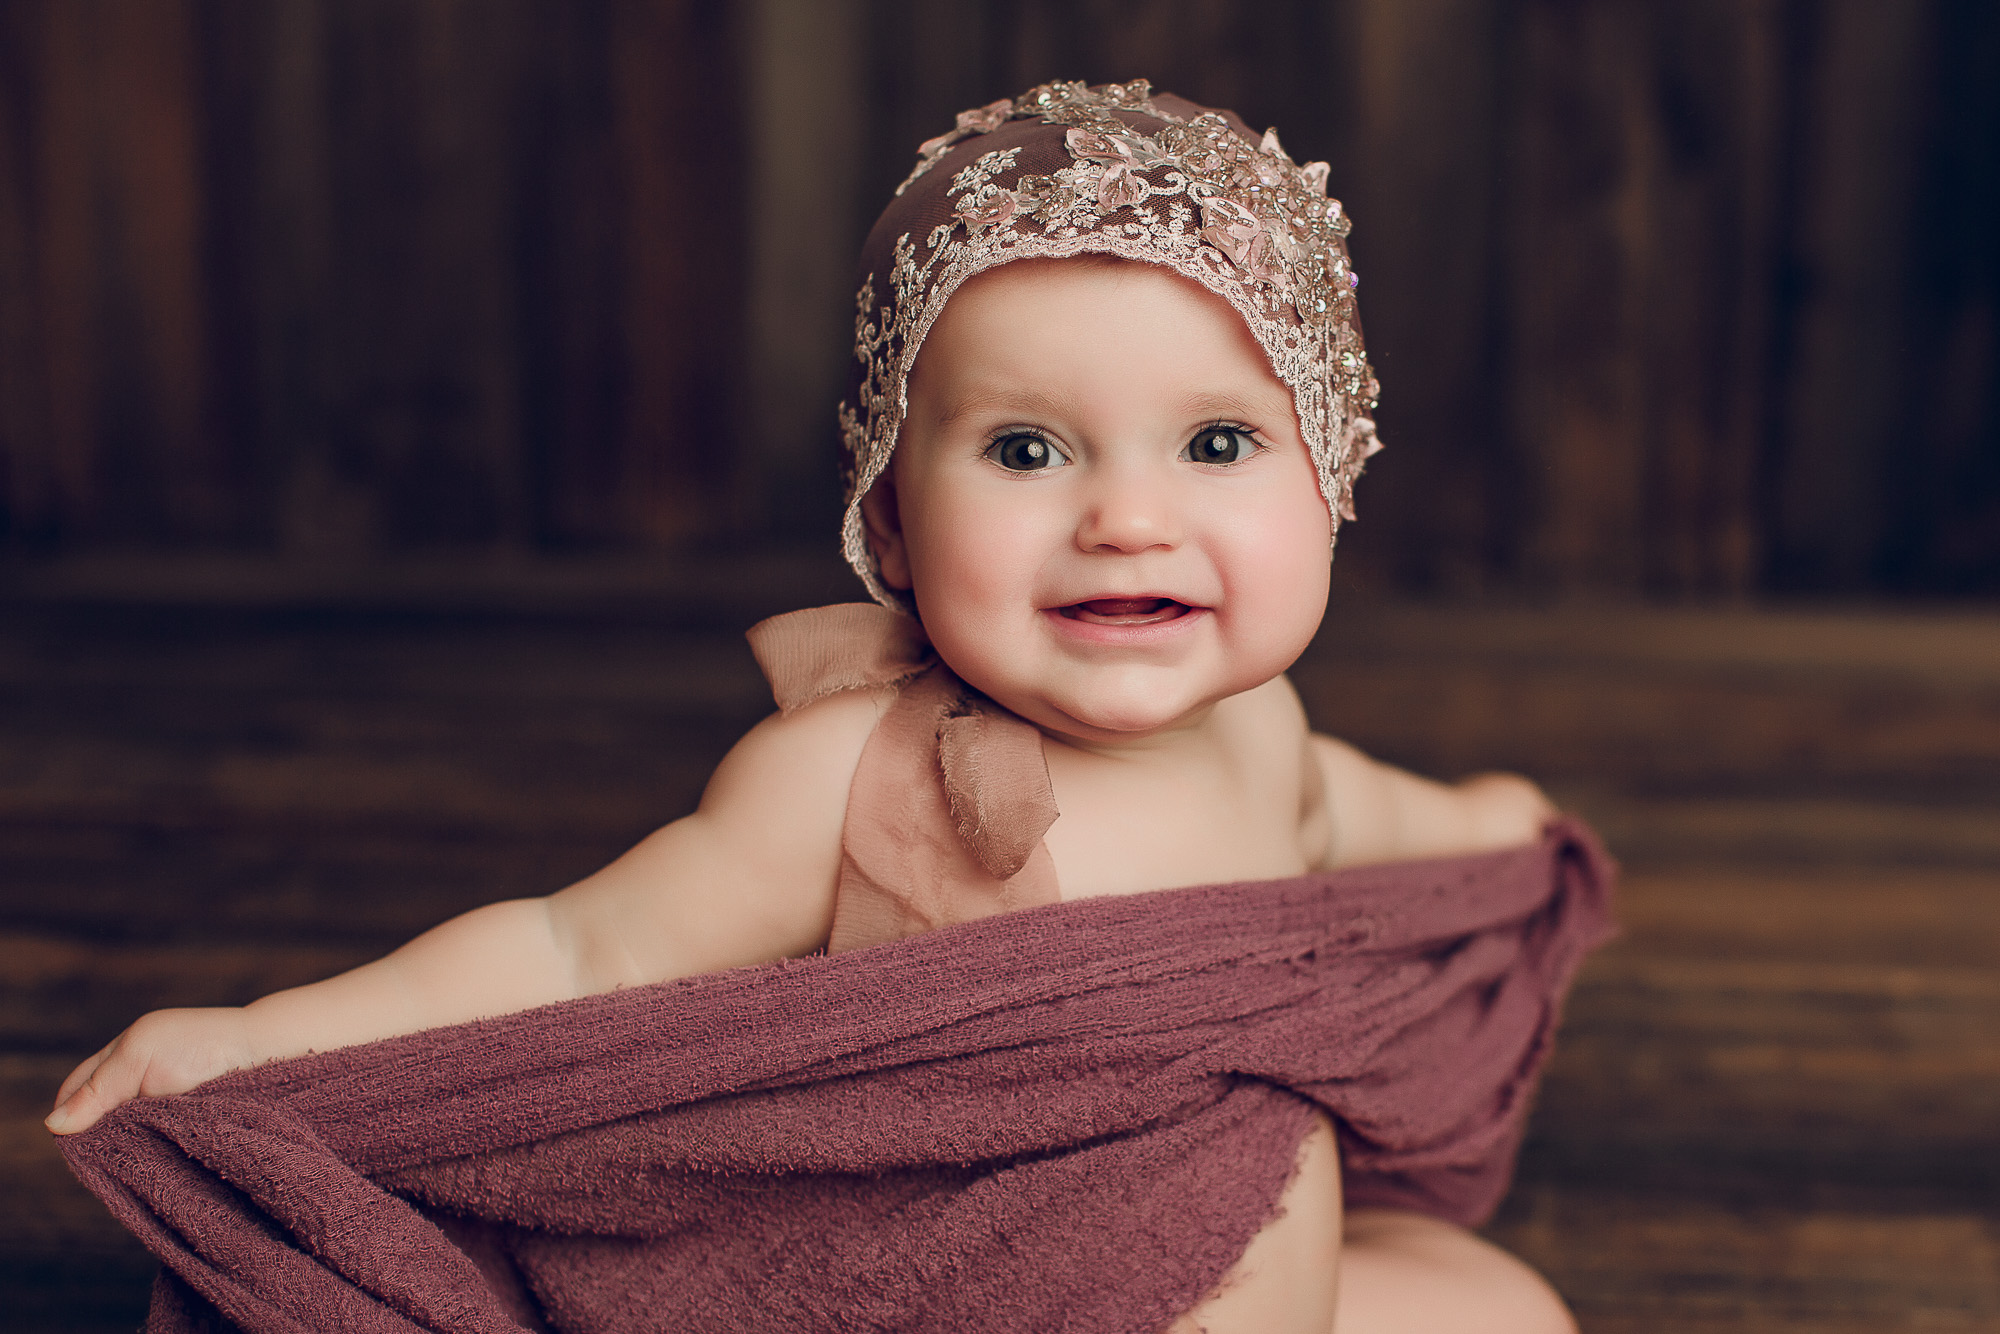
{"x":1775,"y":1107}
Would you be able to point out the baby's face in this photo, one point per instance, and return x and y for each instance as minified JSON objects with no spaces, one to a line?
{"x":1101,"y":500}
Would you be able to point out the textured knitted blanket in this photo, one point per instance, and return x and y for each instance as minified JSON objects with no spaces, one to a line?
{"x":1069,"y":1117}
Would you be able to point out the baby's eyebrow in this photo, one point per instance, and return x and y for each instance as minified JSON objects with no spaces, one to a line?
{"x":1034,"y":403}
{"x":1027,"y":402}
{"x":1255,"y":405}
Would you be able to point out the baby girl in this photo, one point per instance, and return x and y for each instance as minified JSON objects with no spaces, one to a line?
{"x":1109,"y":409}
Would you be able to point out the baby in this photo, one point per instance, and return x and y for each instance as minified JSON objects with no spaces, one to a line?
{"x":1110,"y":406}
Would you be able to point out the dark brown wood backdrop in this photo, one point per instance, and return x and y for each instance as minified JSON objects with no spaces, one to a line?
{"x":1684,"y":299}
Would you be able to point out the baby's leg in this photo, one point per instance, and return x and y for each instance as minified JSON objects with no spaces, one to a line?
{"x":1376,"y":1271}
{"x":1284,"y":1284}
{"x":1406,"y":1273}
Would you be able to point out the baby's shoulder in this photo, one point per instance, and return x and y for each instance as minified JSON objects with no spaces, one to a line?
{"x":806,"y":752}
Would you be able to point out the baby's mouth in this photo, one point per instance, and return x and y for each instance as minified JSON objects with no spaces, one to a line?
{"x":1126,"y":611}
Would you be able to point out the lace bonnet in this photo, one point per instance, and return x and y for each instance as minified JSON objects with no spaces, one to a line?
{"x":1066,"y":169}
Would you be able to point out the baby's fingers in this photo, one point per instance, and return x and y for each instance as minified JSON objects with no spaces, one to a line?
{"x":99,"y":1084}
{"x":167,"y":1051}
{"x":83,"y":1072}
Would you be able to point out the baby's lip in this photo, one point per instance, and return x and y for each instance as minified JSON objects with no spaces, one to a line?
{"x":1144,"y":609}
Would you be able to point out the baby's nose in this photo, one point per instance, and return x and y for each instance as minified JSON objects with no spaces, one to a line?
{"x":1129,"y":514}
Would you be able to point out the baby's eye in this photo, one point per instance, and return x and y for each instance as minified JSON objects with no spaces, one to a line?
{"x":1023,"y":452}
{"x":1220,"y":444}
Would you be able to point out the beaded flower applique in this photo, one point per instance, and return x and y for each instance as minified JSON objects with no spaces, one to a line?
{"x":1240,"y":218}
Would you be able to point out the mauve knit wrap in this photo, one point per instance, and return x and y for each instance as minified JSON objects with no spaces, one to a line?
{"x":1070,"y":1117}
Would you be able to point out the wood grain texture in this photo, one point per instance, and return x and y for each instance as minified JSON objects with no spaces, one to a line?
{"x":1630,"y":1265}
{"x":108,"y":437}
{"x":1688,"y":300}
{"x":338,"y":280}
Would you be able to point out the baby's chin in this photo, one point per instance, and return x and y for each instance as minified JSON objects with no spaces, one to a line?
{"x":1135,"y":713}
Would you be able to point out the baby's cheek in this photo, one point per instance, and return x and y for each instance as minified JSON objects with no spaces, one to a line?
{"x":1278,"y":575}
{"x":980,"y":555}
{"x":959,"y":579}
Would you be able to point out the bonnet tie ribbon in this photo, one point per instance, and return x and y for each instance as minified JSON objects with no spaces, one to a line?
{"x":951,"y":798}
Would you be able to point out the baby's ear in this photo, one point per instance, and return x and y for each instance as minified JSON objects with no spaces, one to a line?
{"x":883,"y":522}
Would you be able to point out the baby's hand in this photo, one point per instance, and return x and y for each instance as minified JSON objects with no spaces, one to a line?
{"x":167,"y":1051}
{"x":1505,"y":809}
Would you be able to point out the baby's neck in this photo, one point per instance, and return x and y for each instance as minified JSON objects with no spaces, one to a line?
{"x":1195,"y":737}
{"x":1218,"y":798}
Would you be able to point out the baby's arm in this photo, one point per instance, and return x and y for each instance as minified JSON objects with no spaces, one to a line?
{"x":747,"y":878}
{"x":1377,"y":812}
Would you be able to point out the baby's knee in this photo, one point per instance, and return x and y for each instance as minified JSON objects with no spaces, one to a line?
{"x":1407,"y":1272}
{"x":1522,"y":1302}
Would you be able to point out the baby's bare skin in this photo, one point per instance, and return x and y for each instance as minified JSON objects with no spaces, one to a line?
{"x":1136,"y":605}
{"x":1369,"y":1271}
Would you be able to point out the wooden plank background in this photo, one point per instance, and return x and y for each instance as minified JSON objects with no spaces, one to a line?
{"x":334,"y":279}
{"x":1672,"y":299}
